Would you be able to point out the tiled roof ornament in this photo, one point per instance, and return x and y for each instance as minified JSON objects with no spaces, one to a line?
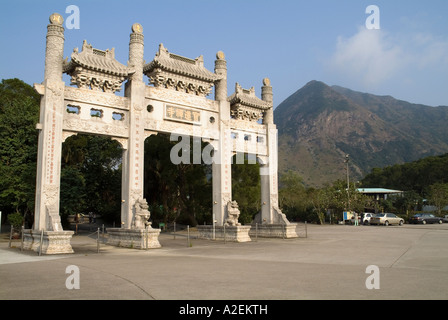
{"x":245,"y":105}
{"x":176,"y":72}
{"x":96,"y":69}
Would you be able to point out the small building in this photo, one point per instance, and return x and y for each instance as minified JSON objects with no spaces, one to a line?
{"x":379,"y":193}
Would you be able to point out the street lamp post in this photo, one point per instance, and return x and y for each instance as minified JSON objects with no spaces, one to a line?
{"x":347,"y":158}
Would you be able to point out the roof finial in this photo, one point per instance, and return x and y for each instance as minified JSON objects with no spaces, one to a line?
{"x":57,"y":19}
{"x":220,"y":55}
{"x":137,"y":28}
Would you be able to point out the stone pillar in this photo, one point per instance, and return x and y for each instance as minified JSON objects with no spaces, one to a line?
{"x":221,"y":167}
{"x":136,"y":48}
{"x":221,"y":71}
{"x":133,"y":171}
{"x":46,"y":213}
{"x":266,"y":95}
{"x":274,"y":223}
{"x":269,"y":179}
{"x":268,"y":169}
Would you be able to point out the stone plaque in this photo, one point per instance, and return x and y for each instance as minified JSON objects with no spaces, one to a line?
{"x":182,"y":114}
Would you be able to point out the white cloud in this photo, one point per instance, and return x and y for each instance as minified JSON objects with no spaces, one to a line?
{"x":370,"y":56}
{"x":376,"y":60}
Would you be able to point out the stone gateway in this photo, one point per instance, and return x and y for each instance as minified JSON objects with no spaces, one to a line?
{"x":173,"y":100}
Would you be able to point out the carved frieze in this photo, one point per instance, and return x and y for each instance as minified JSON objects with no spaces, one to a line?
{"x":163,"y":94}
{"x":93,"y":97}
{"x":80,"y":125}
{"x":245,"y":113}
{"x":166,"y":80}
{"x":86,"y":79}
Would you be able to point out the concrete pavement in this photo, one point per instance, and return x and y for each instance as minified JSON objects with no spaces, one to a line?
{"x":329,"y":264}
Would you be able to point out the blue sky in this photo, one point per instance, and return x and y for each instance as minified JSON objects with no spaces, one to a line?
{"x":291,"y":42}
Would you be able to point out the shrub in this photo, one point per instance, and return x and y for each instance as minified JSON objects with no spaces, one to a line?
{"x":16,"y":220}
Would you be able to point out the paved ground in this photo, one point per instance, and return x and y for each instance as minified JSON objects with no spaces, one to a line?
{"x":329,"y":264}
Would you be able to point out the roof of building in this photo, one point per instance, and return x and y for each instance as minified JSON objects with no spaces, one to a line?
{"x":247,"y":98}
{"x":378,"y":190}
{"x":173,"y":63}
{"x":97,"y":60}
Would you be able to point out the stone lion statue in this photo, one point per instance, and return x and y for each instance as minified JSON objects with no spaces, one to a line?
{"x":232,"y":214}
{"x":142,"y":214}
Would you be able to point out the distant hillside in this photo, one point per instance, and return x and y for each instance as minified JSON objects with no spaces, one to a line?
{"x":318,"y":125}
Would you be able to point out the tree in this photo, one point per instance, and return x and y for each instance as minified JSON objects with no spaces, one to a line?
{"x":176,"y":192}
{"x":359,"y":201}
{"x":91,"y":176}
{"x":291,"y":189}
{"x":407,"y":202}
{"x":293,"y":196}
{"x":246,"y":188}
{"x":19,"y":113}
{"x":416,"y":176}
{"x":341,"y":197}
{"x":438,"y":195}
{"x":321,"y":200}
{"x":73,"y":193}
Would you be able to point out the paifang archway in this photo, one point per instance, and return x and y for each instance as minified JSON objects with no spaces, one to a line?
{"x":174,"y":102}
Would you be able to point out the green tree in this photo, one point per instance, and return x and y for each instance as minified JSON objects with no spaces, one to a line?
{"x":438,"y":196}
{"x":19,"y":113}
{"x":73,"y":193}
{"x":91,"y":176}
{"x":416,"y":176}
{"x":293,"y":198}
{"x":246,"y":188}
{"x":321,"y":200}
{"x":359,"y":201}
{"x":176,"y":192}
{"x":291,"y":189}
{"x":407,"y":203}
{"x":340,"y":197}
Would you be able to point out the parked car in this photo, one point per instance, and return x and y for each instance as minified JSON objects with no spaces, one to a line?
{"x":366,"y":217}
{"x":425,"y":218}
{"x":386,"y":219}
{"x":445,"y":219}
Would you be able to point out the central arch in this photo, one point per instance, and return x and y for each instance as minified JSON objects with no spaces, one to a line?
{"x":91,"y":177}
{"x":176,"y":192}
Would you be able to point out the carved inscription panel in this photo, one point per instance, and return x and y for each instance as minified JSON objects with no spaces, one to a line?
{"x":182,"y":114}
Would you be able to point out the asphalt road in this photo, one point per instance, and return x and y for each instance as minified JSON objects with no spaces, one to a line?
{"x":331,"y":263}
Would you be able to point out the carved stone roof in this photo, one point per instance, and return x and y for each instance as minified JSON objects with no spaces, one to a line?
{"x":97,"y":60}
{"x":247,"y":98}
{"x":173,"y":63}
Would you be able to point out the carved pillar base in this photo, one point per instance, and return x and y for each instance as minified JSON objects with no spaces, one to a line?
{"x":134,"y":238}
{"x":284,"y":231}
{"x":53,"y":242}
{"x":232,"y":233}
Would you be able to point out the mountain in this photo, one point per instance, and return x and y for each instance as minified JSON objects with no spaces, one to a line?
{"x":318,"y":125}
